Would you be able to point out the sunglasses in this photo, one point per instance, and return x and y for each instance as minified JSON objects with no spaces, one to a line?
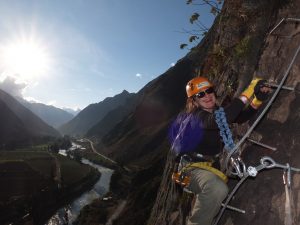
{"x":202,"y":93}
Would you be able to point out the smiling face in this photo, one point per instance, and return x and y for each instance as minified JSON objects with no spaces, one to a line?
{"x":207,"y":102}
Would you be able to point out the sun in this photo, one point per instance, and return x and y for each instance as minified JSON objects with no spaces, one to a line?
{"x":27,"y":59}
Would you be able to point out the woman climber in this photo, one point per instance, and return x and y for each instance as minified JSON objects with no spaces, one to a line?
{"x":198,"y":141}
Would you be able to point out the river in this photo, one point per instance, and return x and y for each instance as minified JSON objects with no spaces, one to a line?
{"x":69,"y":213}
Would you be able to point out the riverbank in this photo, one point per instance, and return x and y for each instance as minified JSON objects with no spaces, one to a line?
{"x":107,"y":209}
{"x":29,"y":190}
{"x":104,"y":208}
{"x":51,"y":202}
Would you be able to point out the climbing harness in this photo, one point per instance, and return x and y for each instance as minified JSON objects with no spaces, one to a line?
{"x":208,"y":166}
{"x":181,"y":176}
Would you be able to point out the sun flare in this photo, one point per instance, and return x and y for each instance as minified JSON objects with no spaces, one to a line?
{"x":26,"y":59}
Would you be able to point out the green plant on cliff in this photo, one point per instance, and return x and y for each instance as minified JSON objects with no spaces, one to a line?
{"x":243,"y":47}
{"x":216,"y":61}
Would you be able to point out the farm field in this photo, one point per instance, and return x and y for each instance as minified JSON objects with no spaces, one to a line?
{"x":32,"y":179}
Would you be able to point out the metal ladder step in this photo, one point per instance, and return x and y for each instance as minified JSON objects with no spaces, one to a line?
{"x":261,"y":144}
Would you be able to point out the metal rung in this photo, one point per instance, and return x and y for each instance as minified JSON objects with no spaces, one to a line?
{"x":261,"y":144}
{"x":284,"y":19}
{"x":283,"y":87}
{"x":234,"y":208}
{"x":293,"y":19}
{"x":223,"y":205}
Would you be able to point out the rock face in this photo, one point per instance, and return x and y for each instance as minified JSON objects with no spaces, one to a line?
{"x":264,"y":197}
{"x":237,"y":46}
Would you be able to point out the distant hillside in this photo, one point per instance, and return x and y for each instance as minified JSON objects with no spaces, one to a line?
{"x":238,"y":45}
{"x":112,"y":118}
{"x":72,"y":111}
{"x":53,"y":116}
{"x":20,"y":120}
{"x":12,"y":128}
{"x":92,"y":114}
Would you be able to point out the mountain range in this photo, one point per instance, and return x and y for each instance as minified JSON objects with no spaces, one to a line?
{"x":72,"y":111}
{"x":12,"y":127}
{"x":241,"y":43}
{"x":93,"y":114}
{"x":23,"y":120}
{"x":20,"y":124}
{"x":53,"y":116}
{"x":113,"y":117}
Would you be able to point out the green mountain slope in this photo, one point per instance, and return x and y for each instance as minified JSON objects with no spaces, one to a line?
{"x":12,"y":128}
{"x":53,"y":116}
{"x":112,"y":118}
{"x":92,"y":114}
{"x":22,"y":120}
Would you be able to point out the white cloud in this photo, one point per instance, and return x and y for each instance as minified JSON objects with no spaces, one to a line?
{"x":139,"y":75}
{"x":172,"y":64}
{"x":31,"y":99}
{"x":11,"y":86}
{"x":51,"y":102}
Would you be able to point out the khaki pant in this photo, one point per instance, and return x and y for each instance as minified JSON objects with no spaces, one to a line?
{"x":210,"y":191}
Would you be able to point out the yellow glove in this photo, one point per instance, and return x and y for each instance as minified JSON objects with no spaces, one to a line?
{"x":249,"y":91}
{"x":255,"y":103}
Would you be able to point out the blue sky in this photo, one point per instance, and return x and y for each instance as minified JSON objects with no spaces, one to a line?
{"x":83,"y":51}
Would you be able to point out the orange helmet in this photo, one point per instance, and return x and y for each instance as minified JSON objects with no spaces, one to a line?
{"x":196,"y":85}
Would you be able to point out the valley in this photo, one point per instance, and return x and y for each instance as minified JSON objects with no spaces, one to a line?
{"x":32,"y":189}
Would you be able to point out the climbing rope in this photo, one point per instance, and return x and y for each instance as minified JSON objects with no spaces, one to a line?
{"x":225,"y":132}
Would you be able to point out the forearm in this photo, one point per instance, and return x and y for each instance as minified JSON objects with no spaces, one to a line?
{"x":234,"y":110}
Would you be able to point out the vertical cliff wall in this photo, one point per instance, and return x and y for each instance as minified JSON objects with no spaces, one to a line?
{"x":236,"y":47}
{"x":243,"y":46}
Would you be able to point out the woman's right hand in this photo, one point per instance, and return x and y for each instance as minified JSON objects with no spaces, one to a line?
{"x":262,"y":90}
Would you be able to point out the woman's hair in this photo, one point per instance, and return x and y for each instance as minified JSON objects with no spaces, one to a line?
{"x":190,"y":105}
